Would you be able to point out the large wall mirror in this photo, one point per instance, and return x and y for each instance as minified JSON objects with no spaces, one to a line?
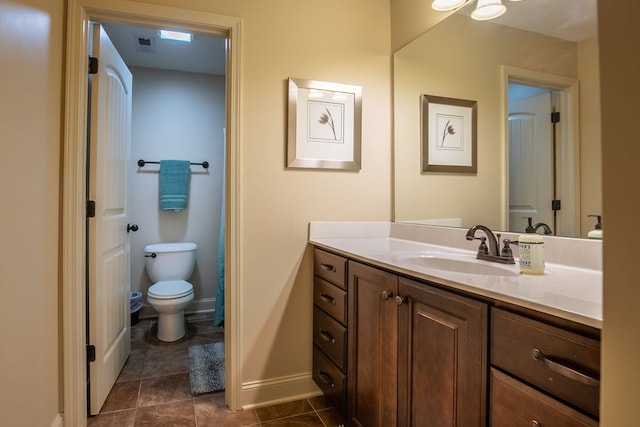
{"x":539,"y":53}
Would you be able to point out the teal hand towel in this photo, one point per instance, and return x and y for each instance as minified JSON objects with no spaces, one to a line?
{"x":174,"y":184}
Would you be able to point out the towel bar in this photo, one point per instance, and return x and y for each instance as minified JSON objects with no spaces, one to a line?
{"x":141,"y":163}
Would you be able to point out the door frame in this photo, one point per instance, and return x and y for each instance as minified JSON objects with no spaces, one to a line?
{"x":74,"y":181}
{"x":568,"y":144}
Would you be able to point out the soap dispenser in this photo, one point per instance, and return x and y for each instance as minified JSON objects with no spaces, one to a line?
{"x":596,"y":233}
{"x":531,"y":248}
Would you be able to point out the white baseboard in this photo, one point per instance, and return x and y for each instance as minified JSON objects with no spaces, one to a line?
{"x":256,"y":394}
{"x":58,"y":421}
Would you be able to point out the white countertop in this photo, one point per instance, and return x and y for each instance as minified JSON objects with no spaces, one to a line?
{"x":573,"y":292}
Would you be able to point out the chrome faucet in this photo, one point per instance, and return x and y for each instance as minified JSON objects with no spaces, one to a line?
{"x":491,"y":252}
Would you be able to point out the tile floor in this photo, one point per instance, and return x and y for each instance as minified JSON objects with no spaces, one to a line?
{"x":153,"y":388}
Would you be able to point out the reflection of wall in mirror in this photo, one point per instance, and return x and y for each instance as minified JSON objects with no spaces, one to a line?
{"x":462,"y":58}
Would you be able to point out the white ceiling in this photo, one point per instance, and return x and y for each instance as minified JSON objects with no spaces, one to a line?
{"x":571,"y":20}
{"x":205,"y":54}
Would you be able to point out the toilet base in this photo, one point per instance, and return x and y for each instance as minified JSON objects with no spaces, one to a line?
{"x":171,"y":326}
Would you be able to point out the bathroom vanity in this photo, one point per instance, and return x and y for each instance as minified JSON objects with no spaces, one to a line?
{"x":411,"y":330}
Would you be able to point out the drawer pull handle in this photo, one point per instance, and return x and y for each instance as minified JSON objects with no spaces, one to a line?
{"x":326,"y":378}
{"x":327,"y":299}
{"x":328,"y":267}
{"x":565,"y":371}
{"x":327,"y":336}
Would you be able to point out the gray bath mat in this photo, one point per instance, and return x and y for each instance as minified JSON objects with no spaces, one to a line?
{"x":206,"y":368}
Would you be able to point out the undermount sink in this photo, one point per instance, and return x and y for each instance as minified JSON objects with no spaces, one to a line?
{"x":458,"y":263}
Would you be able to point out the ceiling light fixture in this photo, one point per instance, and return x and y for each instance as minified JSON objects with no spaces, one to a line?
{"x":488,"y":9}
{"x":445,"y":5}
{"x":485,"y":9}
{"x":176,"y":35}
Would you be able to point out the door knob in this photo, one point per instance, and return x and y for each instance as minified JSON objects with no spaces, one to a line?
{"x":132,"y":227}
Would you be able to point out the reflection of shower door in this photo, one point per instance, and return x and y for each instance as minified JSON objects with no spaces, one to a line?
{"x":531,"y":169}
{"x":108,"y":246}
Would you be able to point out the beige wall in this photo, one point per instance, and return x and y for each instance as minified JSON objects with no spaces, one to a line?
{"x":590,"y":134}
{"x":277,"y":203}
{"x":337,"y":41}
{"x":30,"y":115}
{"x":464,"y":68}
{"x":619,"y":70}
{"x":410,"y":18}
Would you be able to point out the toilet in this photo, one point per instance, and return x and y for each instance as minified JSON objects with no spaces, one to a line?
{"x":170,"y":265}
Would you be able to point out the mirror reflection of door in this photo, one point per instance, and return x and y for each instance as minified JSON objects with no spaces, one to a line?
{"x":531,"y":156}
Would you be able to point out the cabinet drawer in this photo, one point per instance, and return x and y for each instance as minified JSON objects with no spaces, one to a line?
{"x":330,"y":267}
{"x":330,"y":336}
{"x":330,"y":379}
{"x":331,"y":299}
{"x":515,"y":404}
{"x":559,"y":361}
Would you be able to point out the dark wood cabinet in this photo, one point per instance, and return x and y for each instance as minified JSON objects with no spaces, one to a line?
{"x":373,"y":320}
{"x":330,"y":327}
{"x":515,"y":404}
{"x":442,"y":358}
{"x":554,"y":371}
{"x":393,"y":351}
{"x":417,"y":354}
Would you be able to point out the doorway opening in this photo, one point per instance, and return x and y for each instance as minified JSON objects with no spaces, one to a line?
{"x":542,"y":148}
{"x":73,"y":267}
{"x":173,"y":107}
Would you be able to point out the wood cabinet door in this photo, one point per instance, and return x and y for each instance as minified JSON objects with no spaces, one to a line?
{"x":372,"y":346}
{"x":442,"y":358}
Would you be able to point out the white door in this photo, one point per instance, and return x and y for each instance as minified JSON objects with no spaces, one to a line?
{"x":108,"y":245}
{"x":531,"y":169}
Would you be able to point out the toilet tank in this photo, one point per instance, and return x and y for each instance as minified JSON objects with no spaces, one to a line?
{"x":172,"y":261}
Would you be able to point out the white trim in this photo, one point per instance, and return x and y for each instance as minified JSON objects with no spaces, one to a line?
{"x":274,"y":391}
{"x":568,"y":151}
{"x":73,"y":186}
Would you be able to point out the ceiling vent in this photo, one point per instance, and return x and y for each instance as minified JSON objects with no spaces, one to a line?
{"x":145,"y":44}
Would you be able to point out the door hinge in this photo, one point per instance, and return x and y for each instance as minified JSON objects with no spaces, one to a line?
{"x":93,"y":65}
{"x":91,"y":353}
{"x":555,"y":117}
{"x":91,"y":208}
{"x":556,"y":205}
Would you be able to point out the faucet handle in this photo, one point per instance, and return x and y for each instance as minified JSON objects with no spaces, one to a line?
{"x":483,"y":248}
{"x":506,"y":249}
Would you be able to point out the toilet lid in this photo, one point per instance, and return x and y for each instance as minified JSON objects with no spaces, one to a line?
{"x":170,"y":289}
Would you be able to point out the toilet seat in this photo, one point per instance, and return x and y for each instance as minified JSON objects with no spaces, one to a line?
{"x":170,"y":289}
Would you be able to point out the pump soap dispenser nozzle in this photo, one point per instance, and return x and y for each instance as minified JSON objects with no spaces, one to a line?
{"x":596,"y":233}
{"x":530,"y":228}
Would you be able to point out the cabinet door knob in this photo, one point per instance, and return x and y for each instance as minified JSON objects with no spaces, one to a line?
{"x":535,"y":423}
{"x":386,"y":295}
{"x":399,"y":301}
